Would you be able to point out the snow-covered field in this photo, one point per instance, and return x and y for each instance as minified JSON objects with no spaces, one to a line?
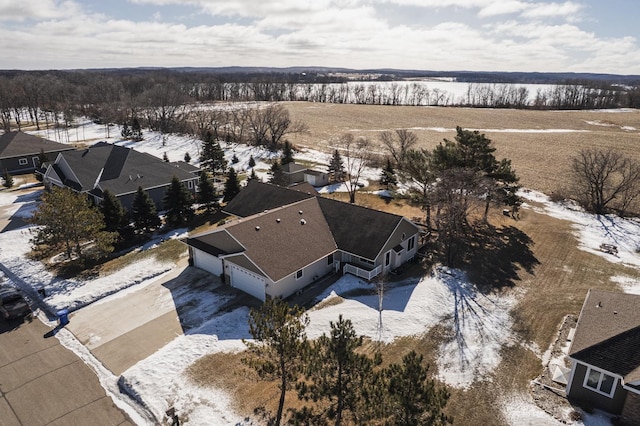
{"x":480,"y":324}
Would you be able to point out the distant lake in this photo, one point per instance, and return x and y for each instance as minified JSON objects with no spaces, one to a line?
{"x":431,"y":92}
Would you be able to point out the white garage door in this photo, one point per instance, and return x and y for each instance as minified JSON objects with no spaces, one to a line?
{"x":207,"y":262}
{"x":248,"y":282}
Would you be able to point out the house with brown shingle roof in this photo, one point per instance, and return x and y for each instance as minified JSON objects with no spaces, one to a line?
{"x":605,"y":355}
{"x":285,"y":240}
{"x":20,"y":152}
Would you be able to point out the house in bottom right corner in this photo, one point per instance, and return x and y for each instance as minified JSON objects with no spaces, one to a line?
{"x":605,"y":355}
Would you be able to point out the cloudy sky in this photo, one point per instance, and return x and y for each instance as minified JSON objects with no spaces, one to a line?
{"x":480,"y":35}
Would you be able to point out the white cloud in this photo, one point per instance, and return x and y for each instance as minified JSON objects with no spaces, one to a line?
{"x":502,"y":8}
{"x":541,"y":10}
{"x":11,"y":10}
{"x":348,"y":33}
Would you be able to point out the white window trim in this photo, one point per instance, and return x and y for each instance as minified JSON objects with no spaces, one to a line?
{"x":23,"y":161}
{"x":411,"y":242}
{"x":602,"y":373}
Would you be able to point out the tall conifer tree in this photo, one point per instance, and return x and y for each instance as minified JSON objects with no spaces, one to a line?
{"x":144,"y":212}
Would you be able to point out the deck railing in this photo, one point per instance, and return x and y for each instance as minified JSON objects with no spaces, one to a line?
{"x":362,"y":273}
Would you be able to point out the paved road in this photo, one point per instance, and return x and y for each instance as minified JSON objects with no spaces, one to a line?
{"x":43,"y":383}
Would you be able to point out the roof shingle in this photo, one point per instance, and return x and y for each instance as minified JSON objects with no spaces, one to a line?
{"x":608,"y":333}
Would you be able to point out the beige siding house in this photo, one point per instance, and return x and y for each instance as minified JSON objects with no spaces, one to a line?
{"x":277,"y":251}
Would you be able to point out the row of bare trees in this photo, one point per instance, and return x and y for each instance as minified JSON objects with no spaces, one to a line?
{"x":160,"y":98}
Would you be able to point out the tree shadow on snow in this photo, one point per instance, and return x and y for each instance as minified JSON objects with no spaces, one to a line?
{"x":496,"y":255}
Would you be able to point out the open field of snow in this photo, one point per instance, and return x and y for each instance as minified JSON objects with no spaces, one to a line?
{"x":480,"y":324}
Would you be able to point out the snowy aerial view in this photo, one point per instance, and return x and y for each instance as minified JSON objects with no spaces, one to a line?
{"x":154,"y":379}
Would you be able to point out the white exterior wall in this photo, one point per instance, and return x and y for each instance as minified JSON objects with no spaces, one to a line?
{"x":316,"y":180}
{"x":247,"y":281}
{"x":207,"y":261}
{"x":289,"y":284}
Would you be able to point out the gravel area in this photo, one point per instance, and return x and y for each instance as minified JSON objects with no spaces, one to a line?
{"x":547,"y":393}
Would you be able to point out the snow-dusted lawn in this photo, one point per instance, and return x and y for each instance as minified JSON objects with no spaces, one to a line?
{"x":480,"y":323}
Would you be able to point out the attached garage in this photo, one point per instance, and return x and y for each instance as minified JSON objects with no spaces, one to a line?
{"x":247,"y":281}
{"x":206,"y":261}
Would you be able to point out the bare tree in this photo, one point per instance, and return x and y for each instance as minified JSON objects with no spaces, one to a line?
{"x":398,"y":144}
{"x":257,"y":123}
{"x":279,"y":124}
{"x":418,"y":168}
{"x":356,"y":154}
{"x":605,"y":179}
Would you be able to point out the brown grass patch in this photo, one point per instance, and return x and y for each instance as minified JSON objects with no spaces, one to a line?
{"x":333,"y":301}
{"x":167,"y":251}
{"x":541,"y":159}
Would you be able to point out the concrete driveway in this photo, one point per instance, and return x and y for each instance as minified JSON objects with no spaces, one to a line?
{"x":131,"y":325}
{"x":43,"y":383}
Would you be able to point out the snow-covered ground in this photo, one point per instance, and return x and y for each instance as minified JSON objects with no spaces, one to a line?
{"x":480,"y":324}
{"x":592,"y":230}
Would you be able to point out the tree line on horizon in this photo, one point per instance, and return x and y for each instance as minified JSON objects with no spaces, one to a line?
{"x":163,"y":99}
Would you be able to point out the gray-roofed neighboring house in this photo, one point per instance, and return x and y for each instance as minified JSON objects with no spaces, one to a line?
{"x":20,"y":152}
{"x":118,"y":169}
{"x":257,"y":197}
{"x":286,"y":239}
{"x":605,"y":355}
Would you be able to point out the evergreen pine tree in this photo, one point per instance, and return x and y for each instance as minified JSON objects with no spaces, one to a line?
{"x":40,"y":170}
{"x":388,"y":175}
{"x":187,"y":157}
{"x":8,"y":179}
{"x":165,"y":157}
{"x":207,"y":193}
{"x":68,"y":219}
{"x":126,"y":132}
{"x":276,"y":174}
{"x":144,"y":212}
{"x":336,"y":167}
{"x":287,"y":153}
{"x":136,"y":130}
{"x":177,"y":203}
{"x":336,"y":373}
{"x":234,"y":159}
{"x":115,"y":215}
{"x":280,"y":342}
{"x":42,"y":158}
{"x":231,"y":186}
{"x":253,"y":175}
{"x":252,"y":162}
{"x":212,"y":155}
{"x":414,"y":398}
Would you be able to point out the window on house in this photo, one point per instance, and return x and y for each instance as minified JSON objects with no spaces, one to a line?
{"x":600,"y":382}
{"x":299,"y":274}
{"x":411,"y":243}
{"x":23,"y":161}
{"x":387,"y":258}
{"x":190,"y":184}
{"x":330,"y":259}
